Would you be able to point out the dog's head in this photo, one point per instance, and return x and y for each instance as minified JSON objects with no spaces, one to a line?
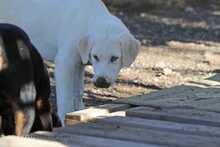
{"x":108,"y":56}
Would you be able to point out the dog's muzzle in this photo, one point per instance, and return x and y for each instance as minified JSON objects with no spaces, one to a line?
{"x":102,"y":83}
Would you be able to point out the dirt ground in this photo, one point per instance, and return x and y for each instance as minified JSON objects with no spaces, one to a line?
{"x":178,"y":45}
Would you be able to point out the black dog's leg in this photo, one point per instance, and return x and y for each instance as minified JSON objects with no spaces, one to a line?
{"x":44,"y":112}
{"x":43,"y":119}
{"x":7,"y":114}
{"x":25,"y":112}
{"x":18,"y":118}
{"x":6,"y":124}
{"x":46,"y":118}
{"x":24,"y":119}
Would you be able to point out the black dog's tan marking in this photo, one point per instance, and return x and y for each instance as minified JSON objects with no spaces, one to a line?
{"x":24,"y":85}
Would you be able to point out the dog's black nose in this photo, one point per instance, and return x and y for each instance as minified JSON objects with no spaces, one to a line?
{"x":102,"y":83}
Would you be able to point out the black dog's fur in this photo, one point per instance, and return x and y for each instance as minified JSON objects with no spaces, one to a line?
{"x":20,"y":65}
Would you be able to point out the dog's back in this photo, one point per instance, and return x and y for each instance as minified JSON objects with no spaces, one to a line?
{"x":24,"y":84}
{"x":15,"y":57}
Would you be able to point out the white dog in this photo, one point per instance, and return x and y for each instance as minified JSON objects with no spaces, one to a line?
{"x":73,"y":33}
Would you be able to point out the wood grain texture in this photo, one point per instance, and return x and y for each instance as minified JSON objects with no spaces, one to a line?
{"x":92,"y":112}
{"x":135,"y":122}
{"x":181,"y":115}
{"x":75,"y":140}
{"x":201,"y":94}
{"x":141,"y":135}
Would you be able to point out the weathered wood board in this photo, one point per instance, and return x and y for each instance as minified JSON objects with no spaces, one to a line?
{"x":202,"y":94}
{"x":141,"y":135}
{"x":136,"y":122}
{"x":181,"y":115}
{"x":173,"y":127}
{"x":75,"y":140}
{"x":92,"y":112}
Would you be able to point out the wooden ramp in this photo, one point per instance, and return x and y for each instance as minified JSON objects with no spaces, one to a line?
{"x":121,"y":125}
{"x":182,"y":116}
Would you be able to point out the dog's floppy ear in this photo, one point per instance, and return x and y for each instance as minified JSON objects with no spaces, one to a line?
{"x":130,"y":48}
{"x":84,"y":49}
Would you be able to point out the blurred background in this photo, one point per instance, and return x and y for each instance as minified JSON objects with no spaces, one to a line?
{"x":180,"y":42}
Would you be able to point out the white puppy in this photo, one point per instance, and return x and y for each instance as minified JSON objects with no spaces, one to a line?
{"x":73,"y":33}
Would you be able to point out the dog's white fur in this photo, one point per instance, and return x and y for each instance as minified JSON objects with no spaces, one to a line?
{"x":68,"y":31}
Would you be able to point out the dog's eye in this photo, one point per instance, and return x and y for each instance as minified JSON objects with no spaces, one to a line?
{"x":96,"y":58}
{"x":114,"y":58}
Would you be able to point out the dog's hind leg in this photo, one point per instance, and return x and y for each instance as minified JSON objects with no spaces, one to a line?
{"x":7,"y":123}
{"x":46,"y":117}
{"x":25,"y":112}
{"x":43,"y":120}
{"x":24,"y":120}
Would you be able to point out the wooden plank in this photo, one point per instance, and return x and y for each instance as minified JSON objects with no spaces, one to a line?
{"x":87,"y":114}
{"x":203,"y":102}
{"x":181,"y":115}
{"x":201,"y":94}
{"x":212,"y":107}
{"x":173,"y":92}
{"x":12,"y":141}
{"x":135,"y":122}
{"x":70,"y":122}
{"x":141,"y":135}
{"x":73,"y":140}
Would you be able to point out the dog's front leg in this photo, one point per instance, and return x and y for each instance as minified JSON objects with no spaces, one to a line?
{"x":69,"y":74}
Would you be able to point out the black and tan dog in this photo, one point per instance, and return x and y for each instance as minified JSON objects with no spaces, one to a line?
{"x":24,"y":85}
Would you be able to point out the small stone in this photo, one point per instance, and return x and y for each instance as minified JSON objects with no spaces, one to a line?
{"x":144,"y":41}
{"x":121,"y":13}
{"x":160,"y":65}
{"x":143,"y":15}
{"x":167,"y":71}
{"x":190,"y":10}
